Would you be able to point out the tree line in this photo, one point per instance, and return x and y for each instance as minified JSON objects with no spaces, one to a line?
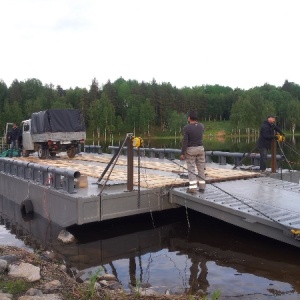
{"x":146,"y":108}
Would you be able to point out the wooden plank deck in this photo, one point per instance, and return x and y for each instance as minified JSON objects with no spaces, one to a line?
{"x":154,"y":172}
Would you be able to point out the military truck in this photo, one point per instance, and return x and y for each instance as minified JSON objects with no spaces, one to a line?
{"x":52,"y":131}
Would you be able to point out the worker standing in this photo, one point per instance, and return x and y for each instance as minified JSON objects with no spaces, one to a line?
{"x":193,"y":152}
{"x":14,"y":139}
{"x":266,"y":136}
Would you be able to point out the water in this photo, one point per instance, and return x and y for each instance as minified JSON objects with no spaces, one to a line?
{"x":179,"y":250}
{"x":162,"y":250}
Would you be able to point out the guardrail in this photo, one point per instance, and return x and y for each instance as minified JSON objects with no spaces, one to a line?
{"x":56,"y":178}
{"x":174,"y":153}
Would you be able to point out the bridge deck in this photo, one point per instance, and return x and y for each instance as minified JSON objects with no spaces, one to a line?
{"x":155,"y":173}
{"x":264,"y":205}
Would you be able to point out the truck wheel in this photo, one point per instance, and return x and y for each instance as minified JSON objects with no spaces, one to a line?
{"x":71,"y":153}
{"x":25,"y":153}
{"x":42,"y":153}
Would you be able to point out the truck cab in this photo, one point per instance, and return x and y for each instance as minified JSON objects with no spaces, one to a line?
{"x":27,"y":142}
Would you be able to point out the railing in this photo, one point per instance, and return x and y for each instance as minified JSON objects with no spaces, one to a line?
{"x":174,"y":153}
{"x":56,"y":178}
{"x":3,"y":145}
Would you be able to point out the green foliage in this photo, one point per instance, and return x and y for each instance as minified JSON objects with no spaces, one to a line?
{"x":14,"y":286}
{"x":128,"y":106}
{"x":250,"y":110}
{"x":93,"y":279}
{"x":176,"y":121}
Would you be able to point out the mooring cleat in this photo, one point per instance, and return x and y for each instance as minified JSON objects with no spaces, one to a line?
{"x":191,"y":191}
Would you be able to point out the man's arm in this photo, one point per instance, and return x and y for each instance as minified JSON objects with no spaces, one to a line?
{"x":277,"y":129}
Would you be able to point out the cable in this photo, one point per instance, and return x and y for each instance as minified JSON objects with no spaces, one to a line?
{"x":291,"y":148}
{"x":284,"y":155}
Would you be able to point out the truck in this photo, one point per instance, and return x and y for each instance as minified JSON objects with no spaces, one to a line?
{"x":52,"y":131}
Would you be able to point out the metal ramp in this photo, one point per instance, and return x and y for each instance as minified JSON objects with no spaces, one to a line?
{"x":264,"y":205}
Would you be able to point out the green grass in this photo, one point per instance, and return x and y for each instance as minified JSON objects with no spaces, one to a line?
{"x":217,"y":126}
{"x":213,"y":129}
{"x":14,"y":286}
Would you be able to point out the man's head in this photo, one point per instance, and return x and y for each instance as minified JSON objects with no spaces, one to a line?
{"x":271,"y":119}
{"x":14,"y":125}
{"x":192,"y":116}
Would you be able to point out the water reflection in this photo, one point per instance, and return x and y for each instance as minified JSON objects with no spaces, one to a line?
{"x":207,"y":256}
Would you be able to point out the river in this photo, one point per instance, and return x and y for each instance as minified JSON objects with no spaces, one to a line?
{"x":180,"y":250}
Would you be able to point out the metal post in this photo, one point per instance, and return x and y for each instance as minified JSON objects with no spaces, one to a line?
{"x":273,"y":157}
{"x":129,"y":163}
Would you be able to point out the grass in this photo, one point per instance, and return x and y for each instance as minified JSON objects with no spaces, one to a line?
{"x":211,"y":128}
{"x":13,"y":286}
{"x":217,"y":127}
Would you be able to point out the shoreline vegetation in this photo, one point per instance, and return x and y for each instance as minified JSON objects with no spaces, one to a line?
{"x":151,"y":108}
{"x":55,"y":283}
{"x":213,"y":129}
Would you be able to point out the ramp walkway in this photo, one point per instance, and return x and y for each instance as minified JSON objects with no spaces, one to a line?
{"x":264,"y":205}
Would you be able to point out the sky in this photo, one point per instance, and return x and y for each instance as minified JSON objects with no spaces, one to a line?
{"x":235,"y":43}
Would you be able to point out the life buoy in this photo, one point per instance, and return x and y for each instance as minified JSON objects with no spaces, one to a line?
{"x":27,"y":211}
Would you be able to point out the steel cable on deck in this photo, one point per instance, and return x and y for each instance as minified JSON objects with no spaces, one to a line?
{"x":294,"y":150}
{"x":282,"y":153}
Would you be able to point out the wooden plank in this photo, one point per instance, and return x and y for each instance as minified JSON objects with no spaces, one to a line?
{"x":97,"y":164}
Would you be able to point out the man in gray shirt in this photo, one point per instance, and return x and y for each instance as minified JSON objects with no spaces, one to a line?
{"x":193,"y":152}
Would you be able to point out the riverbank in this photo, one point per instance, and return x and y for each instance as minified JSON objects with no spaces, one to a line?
{"x":54,"y":282}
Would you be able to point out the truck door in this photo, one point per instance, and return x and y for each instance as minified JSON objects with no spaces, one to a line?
{"x":26,"y":135}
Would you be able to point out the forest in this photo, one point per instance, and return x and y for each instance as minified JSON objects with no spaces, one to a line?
{"x":152,"y":108}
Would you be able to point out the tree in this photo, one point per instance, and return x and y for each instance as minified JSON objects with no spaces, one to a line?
{"x":146,"y":116}
{"x":293,"y":111}
{"x":176,"y":121}
{"x":102,"y":115}
{"x":73,"y":97}
{"x":3,"y":94}
{"x":123,"y":94}
{"x":250,"y":110}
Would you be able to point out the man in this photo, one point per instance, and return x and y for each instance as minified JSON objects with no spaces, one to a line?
{"x":266,"y":136}
{"x":193,"y":152}
{"x":14,"y":139}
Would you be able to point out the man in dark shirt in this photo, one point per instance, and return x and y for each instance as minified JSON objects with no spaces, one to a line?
{"x":14,"y":139}
{"x":193,"y":152}
{"x":266,"y":136}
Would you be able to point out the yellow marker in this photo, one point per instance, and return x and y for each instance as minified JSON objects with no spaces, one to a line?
{"x":295,"y":231}
{"x":280,"y":137}
{"x":137,"y":142}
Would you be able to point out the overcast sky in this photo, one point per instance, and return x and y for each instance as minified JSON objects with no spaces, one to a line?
{"x":236,"y":43}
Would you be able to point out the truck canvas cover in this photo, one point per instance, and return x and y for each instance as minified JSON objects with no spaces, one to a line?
{"x":57,"y":120}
